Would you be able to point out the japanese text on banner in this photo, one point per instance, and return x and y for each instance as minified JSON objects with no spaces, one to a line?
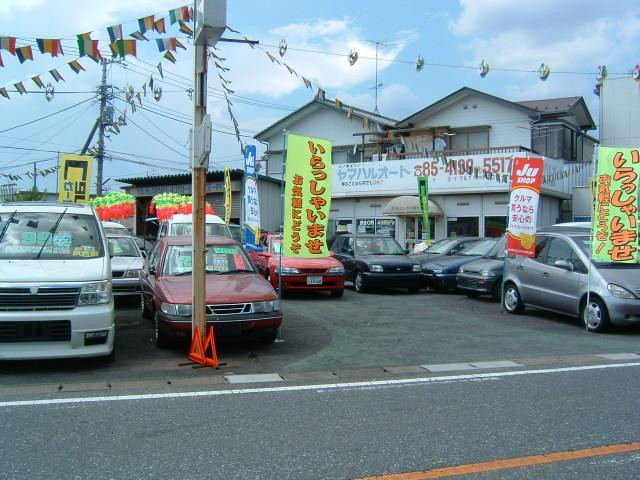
{"x":75,"y":178}
{"x":251,"y":199}
{"x":307,"y":197}
{"x":615,"y":222}
{"x":523,"y":205}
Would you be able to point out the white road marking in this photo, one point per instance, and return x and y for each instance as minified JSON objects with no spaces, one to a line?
{"x":298,"y":388}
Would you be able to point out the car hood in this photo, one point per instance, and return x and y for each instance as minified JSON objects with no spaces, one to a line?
{"x":448,"y":264}
{"x":625,"y":276}
{"x":387,"y":260}
{"x":295,"y":262}
{"x":30,"y":271}
{"x":232,"y":288}
{"x":119,"y":264}
{"x":480,"y":264}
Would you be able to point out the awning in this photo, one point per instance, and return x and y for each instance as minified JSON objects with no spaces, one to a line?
{"x":410,"y":205}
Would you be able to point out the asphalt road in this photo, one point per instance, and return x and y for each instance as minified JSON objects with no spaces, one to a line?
{"x":335,"y":432}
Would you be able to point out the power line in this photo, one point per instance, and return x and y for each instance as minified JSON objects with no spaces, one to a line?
{"x":46,"y":116}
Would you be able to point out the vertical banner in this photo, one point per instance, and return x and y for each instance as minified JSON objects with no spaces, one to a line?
{"x":615,"y":220}
{"x":251,"y":201}
{"x":227,"y":195}
{"x":75,"y":174}
{"x":307,"y":197}
{"x":423,"y":190}
{"x":526,"y":184}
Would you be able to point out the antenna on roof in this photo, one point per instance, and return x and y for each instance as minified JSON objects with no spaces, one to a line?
{"x":379,"y":44}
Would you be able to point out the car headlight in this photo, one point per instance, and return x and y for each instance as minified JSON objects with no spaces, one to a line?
{"x":620,"y":292}
{"x":437,"y":270}
{"x":336,"y":270}
{"x":95,"y":293}
{"x":376,"y":268}
{"x":417,"y":268}
{"x":288,"y":270}
{"x":461,"y":270}
{"x":132,"y":274}
{"x":487,"y":273}
{"x":266,"y":307}
{"x":182,"y":309}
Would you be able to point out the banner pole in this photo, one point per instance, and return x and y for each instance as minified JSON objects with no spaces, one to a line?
{"x":592,"y":189}
{"x":282,"y":183}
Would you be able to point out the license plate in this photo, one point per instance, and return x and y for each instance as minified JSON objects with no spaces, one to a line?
{"x":314,"y":280}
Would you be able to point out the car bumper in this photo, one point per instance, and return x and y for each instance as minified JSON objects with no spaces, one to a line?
{"x":623,"y":311}
{"x":475,"y":283}
{"x":225,"y":326}
{"x":26,"y":335}
{"x":393,"y":279}
{"x":126,"y":286}
{"x":445,"y":281}
{"x":301,"y":282}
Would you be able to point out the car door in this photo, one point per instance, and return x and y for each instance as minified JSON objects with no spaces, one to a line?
{"x":531,"y":271}
{"x":563,"y":284}
{"x":344,"y":253}
{"x":150,"y":272}
{"x":261,"y":259}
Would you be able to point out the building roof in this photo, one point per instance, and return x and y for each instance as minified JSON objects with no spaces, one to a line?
{"x":561,"y":107}
{"x":316,"y":103}
{"x":182,"y":178}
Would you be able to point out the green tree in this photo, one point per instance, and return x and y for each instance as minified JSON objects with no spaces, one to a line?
{"x":33,"y":195}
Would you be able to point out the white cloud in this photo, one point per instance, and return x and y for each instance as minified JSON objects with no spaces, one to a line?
{"x":7,"y":6}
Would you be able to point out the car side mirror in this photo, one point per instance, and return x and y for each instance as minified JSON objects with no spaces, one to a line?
{"x":563,"y":264}
{"x":152,"y":271}
{"x":144,"y":253}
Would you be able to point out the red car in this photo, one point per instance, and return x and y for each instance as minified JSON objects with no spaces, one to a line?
{"x":239,"y":300}
{"x":298,"y":273}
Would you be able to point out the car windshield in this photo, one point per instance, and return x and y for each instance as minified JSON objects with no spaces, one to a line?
{"x":584,"y":242}
{"x":182,"y":229}
{"x":498,"y":252}
{"x":31,"y":235}
{"x":123,"y":247}
{"x":377,"y":246}
{"x":481,"y":248}
{"x":441,"y":246}
{"x":220,"y":259}
{"x":276,"y":246}
{"x":115,"y":231}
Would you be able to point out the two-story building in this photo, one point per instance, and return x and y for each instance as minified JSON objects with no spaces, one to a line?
{"x":464,"y":143}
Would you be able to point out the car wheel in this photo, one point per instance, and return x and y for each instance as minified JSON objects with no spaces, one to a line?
{"x":146,"y":311}
{"x":162,"y":337}
{"x":511,"y":299}
{"x":495,"y":292}
{"x":359,"y":282}
{"x":337,"y":293}
{"x":594,"y":315}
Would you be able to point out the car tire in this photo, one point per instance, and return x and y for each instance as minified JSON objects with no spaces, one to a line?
{"x":337,"y":293}
{"x":495,"y":292}
{"x":594,"y":315}
{"x":511,"y":299}
{"x":146,"y":311}
{"x":161,"y":336}
{"x":359,"y":282}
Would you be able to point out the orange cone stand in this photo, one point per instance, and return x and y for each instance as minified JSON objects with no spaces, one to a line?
{"x":198,"y":351}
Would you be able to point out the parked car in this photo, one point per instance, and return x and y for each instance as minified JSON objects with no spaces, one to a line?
{"x":237,"y":232}
{"x":240,"y":302}
{"x":445,"y":247}
{"x":440,"y":272}
{"x":55,"y":283}
{"x":114,"y":228}
{"x":301,"y":274}
{"x":182,"y":225}
{"x":126,"y":265}
{"x":483,"y":275}
{"x":559,"y":279}
{"x":376,"y":260}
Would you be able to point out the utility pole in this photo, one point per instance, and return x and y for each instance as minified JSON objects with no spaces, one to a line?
{"x":103,"y":104}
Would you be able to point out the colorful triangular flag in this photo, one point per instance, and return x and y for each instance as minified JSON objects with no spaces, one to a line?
{"x":184,"y":28}
{"x":1,"y":63}
{"x":159,"y":67}
{"x":170,"y":56}
{"x":8,"y":44}
{"x":50,"y":45}
{"x":115,"y":32}
{"x":56,"y":75}
{"x":306,"y":82}
{"x":20,"y":88}
{"x":159,"y":26}
{"x":38,"y":81}
{"x":76,"y":66}
{"x":24,"y":53}
{"x":146,"y":23}
{"x":139,"y":36}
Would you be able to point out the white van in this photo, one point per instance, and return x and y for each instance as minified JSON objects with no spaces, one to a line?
{"x":181,"y":224}
{"x":55,"y":283}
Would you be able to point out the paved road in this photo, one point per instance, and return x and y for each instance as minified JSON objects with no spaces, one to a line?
{"x":334,"y":432}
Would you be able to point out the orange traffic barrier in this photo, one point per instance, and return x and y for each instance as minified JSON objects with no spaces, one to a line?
{"x":198,"y":351}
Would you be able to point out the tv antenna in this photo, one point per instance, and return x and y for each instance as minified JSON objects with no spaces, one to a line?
{"x":380,"y":44}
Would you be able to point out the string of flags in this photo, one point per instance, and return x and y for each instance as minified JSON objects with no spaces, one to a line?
{"x":221,"y":70}
{"x":37,"y":173}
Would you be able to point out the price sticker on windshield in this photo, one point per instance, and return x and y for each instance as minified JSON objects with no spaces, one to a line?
{"x":225,"y":250}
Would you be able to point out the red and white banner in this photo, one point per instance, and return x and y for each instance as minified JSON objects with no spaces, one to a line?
{"x":523,"y":205}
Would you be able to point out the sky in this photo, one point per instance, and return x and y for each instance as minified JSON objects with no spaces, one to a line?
{"x":453,"y":36}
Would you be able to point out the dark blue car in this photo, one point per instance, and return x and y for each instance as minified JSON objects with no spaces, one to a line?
{"x":484,"y":275}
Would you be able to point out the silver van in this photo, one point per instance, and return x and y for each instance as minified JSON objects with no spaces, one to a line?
{"x":557,"y":279}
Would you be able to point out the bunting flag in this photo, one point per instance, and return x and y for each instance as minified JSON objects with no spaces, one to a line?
{"x":20,"y":88}
{"x":139,"y":97}
{"x":350,"y":113}
{"x":151,"y":82}
{"x":38,"y":81}
{"x":1,"y":63}
{"x":180,"y":45}
{"x":76,"y":66}
{"x":338,"y":104}
{"x":365,"y":122}
{"x":272,"y":58}
{"x":146,"y":23}
{"x":139,"y":36}
{"x":166,"y":44}
{"x":320,"y":94}
{"x":170,"y":56}
{"x":8,"y":44}
{"x":178,"y":14}
{"x":88,"y":47}
{"x":159,"y":67}
{"x":56,"y":75}
{"x":184,"y":28}
{"x":24,"y":53}
{"x":306,"y":82}
{"x":160,"y":26}
{"x":144,"y":89}
{"x":291,"y":70}
{"x":115,"y":32}
{"x":50,"y":45}
{"x":123,"y":47}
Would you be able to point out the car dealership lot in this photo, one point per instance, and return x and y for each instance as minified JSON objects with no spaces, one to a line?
{"x":324,"y":337}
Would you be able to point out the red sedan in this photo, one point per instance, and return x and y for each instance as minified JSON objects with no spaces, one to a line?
{"x":239,"y":300}
{"x":298,"y":273}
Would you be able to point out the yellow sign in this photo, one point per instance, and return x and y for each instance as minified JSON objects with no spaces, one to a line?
{"x":227,"y":195}
{"x":307,"y":197}
{"x":74,"y":184}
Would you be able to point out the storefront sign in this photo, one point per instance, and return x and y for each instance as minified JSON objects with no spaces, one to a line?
{"x":523,"y":205}
{"x":228,"y":199}
{"x":74,"y":185}
{"x":307,"y":197}
{"x":468,"y":173}
{"x":366,"y":225}
{"x":386,"y":226}
{"x":423,"y":191}
{"x":251,"y":200}
{"x":615,"y":223}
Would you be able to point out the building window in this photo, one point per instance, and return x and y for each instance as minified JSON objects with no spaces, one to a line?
{"x":415,"y":231}
{"x":557,"y":141}
{"x":465,"y":140}
{"x":366,"y":225}
{"x":495,"y":226}
{"x":386,"y":226}
{"x":463,"y":226}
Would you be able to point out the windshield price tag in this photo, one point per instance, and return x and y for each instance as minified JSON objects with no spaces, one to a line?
{"x":225,"y":250}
